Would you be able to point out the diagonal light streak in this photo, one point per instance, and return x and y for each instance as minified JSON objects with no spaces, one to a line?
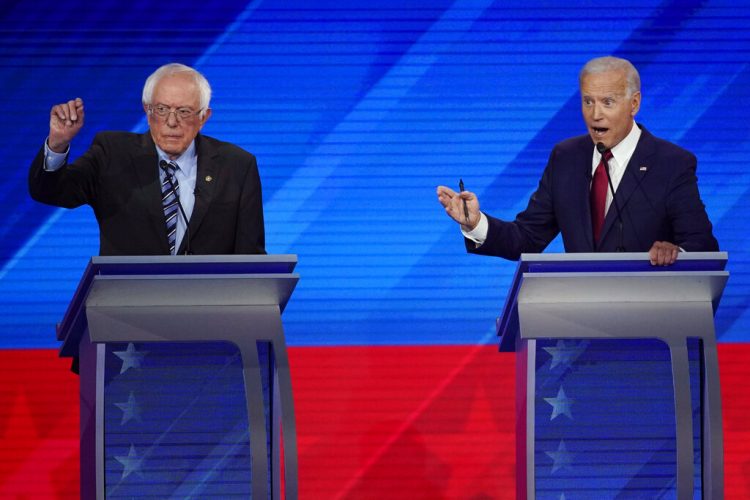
{"x":395,"y":84}
{"x":31,"y":242}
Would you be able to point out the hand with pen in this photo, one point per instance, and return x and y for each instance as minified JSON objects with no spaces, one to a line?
{"x":462,"y":206}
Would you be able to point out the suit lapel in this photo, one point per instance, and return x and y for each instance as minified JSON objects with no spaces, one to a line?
{"x":635,"y":172}
{"x":146,"y":161}
{"x":206,"y":178}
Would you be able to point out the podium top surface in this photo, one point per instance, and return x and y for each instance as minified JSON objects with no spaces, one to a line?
{"x":618,"y":262}
{"x":172,"y":267}
{"x":181,"y":264}
{"x":601,"y":266}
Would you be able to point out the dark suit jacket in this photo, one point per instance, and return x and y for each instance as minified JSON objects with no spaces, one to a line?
{"x":658,"y":198}
{"x":119,"y":177}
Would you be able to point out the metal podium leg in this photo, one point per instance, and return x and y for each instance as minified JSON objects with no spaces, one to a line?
{"x":713,"y":440}
{"x":256,"y":418}
{"x":282,"y":407}
{"x":530,"y":409}
{"x":283,"y":388}
{"x":89,"y":395}
{"x":683,"y":416}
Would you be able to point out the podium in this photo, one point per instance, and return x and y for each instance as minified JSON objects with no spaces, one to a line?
{"x":184,"y":376}
{"x":617,"y":379}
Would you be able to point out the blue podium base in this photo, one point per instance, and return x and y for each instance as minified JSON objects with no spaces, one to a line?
{"x":175,"y":420}
{"x":604,"y":419}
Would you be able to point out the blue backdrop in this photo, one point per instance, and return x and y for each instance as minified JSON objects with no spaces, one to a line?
{"x":356,"y":114}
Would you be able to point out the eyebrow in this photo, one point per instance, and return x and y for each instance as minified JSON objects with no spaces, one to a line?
{"x":606,"y":96}
{"x":176,"y":107}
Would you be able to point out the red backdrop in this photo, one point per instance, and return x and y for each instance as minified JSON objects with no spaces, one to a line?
{"x":403,"y":422}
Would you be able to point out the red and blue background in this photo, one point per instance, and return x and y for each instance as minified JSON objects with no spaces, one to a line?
{"x":356,"y":112}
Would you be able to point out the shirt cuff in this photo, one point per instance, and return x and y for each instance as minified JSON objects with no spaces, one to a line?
{"x":54,"y":161}
{"x":479,"y":234}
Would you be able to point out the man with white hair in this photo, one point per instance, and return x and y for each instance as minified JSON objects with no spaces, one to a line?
{"x":168,"y":191}
{"x":656,"y":207}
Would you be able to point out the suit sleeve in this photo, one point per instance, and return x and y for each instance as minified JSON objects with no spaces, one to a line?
{"x":250,"y":235}
{"x":73,"y":185}
{"x":531,"y":231}
{"x":687,"y":214}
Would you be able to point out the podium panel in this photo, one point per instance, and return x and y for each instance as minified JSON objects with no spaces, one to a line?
{"x":185,"y":383}
{"x":604,"y":419}
{"x":617,"y":389}
{"x":175,"y":421}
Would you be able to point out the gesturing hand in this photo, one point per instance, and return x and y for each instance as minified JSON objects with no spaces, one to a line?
{"x":65,"y":121}
{"x":453,"y":203}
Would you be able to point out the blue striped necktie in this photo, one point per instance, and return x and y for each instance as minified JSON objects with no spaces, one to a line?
{"x":169,"y":200}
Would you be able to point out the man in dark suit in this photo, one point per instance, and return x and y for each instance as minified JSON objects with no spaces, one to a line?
{"x":125,"y":176}
{"x":656,"y":206}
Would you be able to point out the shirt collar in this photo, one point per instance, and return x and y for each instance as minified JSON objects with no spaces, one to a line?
{"x":625,"y":148}
{"x":186,"y":158}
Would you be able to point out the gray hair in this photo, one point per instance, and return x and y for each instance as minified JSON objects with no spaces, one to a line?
{"x":173,"y":69}
{"x":610,"y":63}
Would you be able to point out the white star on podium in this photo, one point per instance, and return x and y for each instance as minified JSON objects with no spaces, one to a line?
{"x":561,"y":458}
{"x":131,"y":463}
{"x":130,"y":358}
{"x":560,"y":405}
{"x":564,"y":354}
{"x":130,"y":410}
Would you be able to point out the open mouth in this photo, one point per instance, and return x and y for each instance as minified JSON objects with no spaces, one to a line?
{"x":599,"y":130}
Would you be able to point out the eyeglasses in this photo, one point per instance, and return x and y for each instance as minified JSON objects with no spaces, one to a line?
{"x":163,"y":111}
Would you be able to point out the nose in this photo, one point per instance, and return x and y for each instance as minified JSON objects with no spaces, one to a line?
{"x":596,"y":112}
{"x":172,"y":119}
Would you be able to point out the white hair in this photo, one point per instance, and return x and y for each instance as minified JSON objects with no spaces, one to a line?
{"x":610,"y":63}
{"x":173,"y":69}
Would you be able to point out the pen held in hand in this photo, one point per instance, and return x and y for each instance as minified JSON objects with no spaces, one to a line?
{"x":466,"y":209}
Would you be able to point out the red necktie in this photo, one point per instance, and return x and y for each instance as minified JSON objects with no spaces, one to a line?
{"x":598,"y":198}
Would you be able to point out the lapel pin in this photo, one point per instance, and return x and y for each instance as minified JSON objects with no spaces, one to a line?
{"x":209,"y":178}
{"x":643,"y":168}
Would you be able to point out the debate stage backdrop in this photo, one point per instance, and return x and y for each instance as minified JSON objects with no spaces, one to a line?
{"x":356,"y":112}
